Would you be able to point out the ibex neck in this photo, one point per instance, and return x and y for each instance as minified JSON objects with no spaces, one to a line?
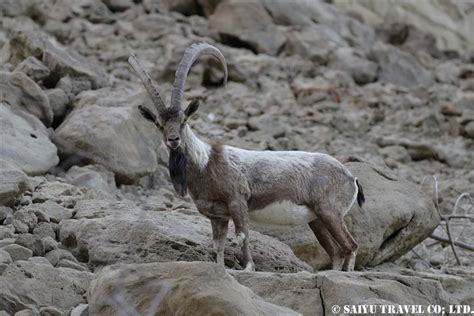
{"x":197,"y":150}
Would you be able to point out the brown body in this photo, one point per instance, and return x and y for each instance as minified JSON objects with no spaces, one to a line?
{"x":229,"y":183}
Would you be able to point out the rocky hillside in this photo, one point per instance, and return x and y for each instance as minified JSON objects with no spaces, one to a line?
{"x":89,"y":221}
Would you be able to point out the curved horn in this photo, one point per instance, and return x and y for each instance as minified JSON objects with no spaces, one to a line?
{"x":191,"y":54}
{"x":150,"y":85}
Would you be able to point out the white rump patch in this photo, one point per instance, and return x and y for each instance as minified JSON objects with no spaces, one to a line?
{"x":283,"y":213}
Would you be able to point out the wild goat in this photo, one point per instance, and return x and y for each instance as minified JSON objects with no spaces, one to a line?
{"x":285,"y":187}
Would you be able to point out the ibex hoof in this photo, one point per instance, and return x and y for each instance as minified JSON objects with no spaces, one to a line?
{"x":250,"y":266}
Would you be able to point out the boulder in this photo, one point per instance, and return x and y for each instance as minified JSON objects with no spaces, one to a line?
{"x":132,"y":235}
{"x":17,"y":252}
{"x":50,"y":209}
{"x":56,"y":192}
{"x":399,"y":67}
{"x":247,"y":24}
{"x":315,"y":43}
{"x":175,"y":288}
{"x":26,"y":284}
{"x":308,"y":14}
{"x":44,"y":230}
{"x":14,"y":183}
{"x":32,"y":242}
{"x":116,"y":137}
{"x":92,"y":176}
{"x":58,"y":100}
{"x":396,"y":217}
{"x":26,"y":217}
{"x":316,"y":294}
{"x":25,"y":141}
{"x":449,"y":21}
{"x":18,"y":90}
{"x":33,"y":68}
{"x":26,"y":41}
{"x":363,"y":71}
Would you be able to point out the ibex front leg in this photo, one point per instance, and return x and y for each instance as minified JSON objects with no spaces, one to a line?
{"x":219,"y":234}
{"x":238,"y":211}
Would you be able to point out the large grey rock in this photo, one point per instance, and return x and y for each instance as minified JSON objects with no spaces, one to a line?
{"x":399,"y":67}
{"x":32,"y":242}
{"x":43,"y":230}
{"x":57,"y":255}
{"x":396,"y":217}
{"x":115,"y":137}
{"x":25,"y":216}
{"x":449,"y":21}
{"x":129,"y":234}
{"x":18,"y":90}
{"x":250,"y":24}
{"x":58,"y":100}
{"x":175,"y":288}
{"x":33,"y":68}
{"x":51,"y":209}
{"x":316,"y":294}
{"x":14,"y":8}
{"x":92,"y":176}
{"x":5,"y":260}
{"x":25,"y":142}
{"x":315,"y":43}
{"x":26,"y":41}
{"x":55,"y":192}
{"x":14,"y":183}
{"x":303,"y":14}
{"x":347,"y":59}
{"x":26,"y":284}
{"x":18,"y":252}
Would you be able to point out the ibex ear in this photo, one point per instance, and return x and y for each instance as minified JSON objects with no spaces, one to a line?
{"x":192,"y":107}
{"x":147,"y":113}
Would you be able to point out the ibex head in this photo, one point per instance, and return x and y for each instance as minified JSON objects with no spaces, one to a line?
{"x":172,"y":120}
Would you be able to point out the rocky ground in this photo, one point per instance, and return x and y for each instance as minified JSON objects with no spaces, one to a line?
{"x":90,"y":222}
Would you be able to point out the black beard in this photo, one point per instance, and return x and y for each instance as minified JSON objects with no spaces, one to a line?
{"x":177,"y":168}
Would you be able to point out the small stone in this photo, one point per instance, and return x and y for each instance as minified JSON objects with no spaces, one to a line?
{"x":44,"y":230}
{"x":20,"y":227}
{"x":7,"y":232}
{"x":58,"y":100}
{"x":18,"y":252}
{"x":6,"y":241}
{"x":50,"y":311}
{"x":26,"y":312}
{"x":64,"y":263}
{"x":469,"y":129}
{"x":397,"y":153}
{"x":5,"y":212}
{"x":41,"y":216}
{"x":49,"y":244}
{"x":33,"y":68}
{"x":5,"y":257}
{"x":54,"y":256}
{"x":31,"y":242}
{"x":26,"y":217}
{"x":79,"y":310}
{"x":40,"y":260}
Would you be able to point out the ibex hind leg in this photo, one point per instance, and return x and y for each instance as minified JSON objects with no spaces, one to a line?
{"x":328,"y":243}
{"x":334,"y":222}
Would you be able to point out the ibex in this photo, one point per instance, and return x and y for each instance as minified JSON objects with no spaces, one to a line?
{"x":225,"y":182}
